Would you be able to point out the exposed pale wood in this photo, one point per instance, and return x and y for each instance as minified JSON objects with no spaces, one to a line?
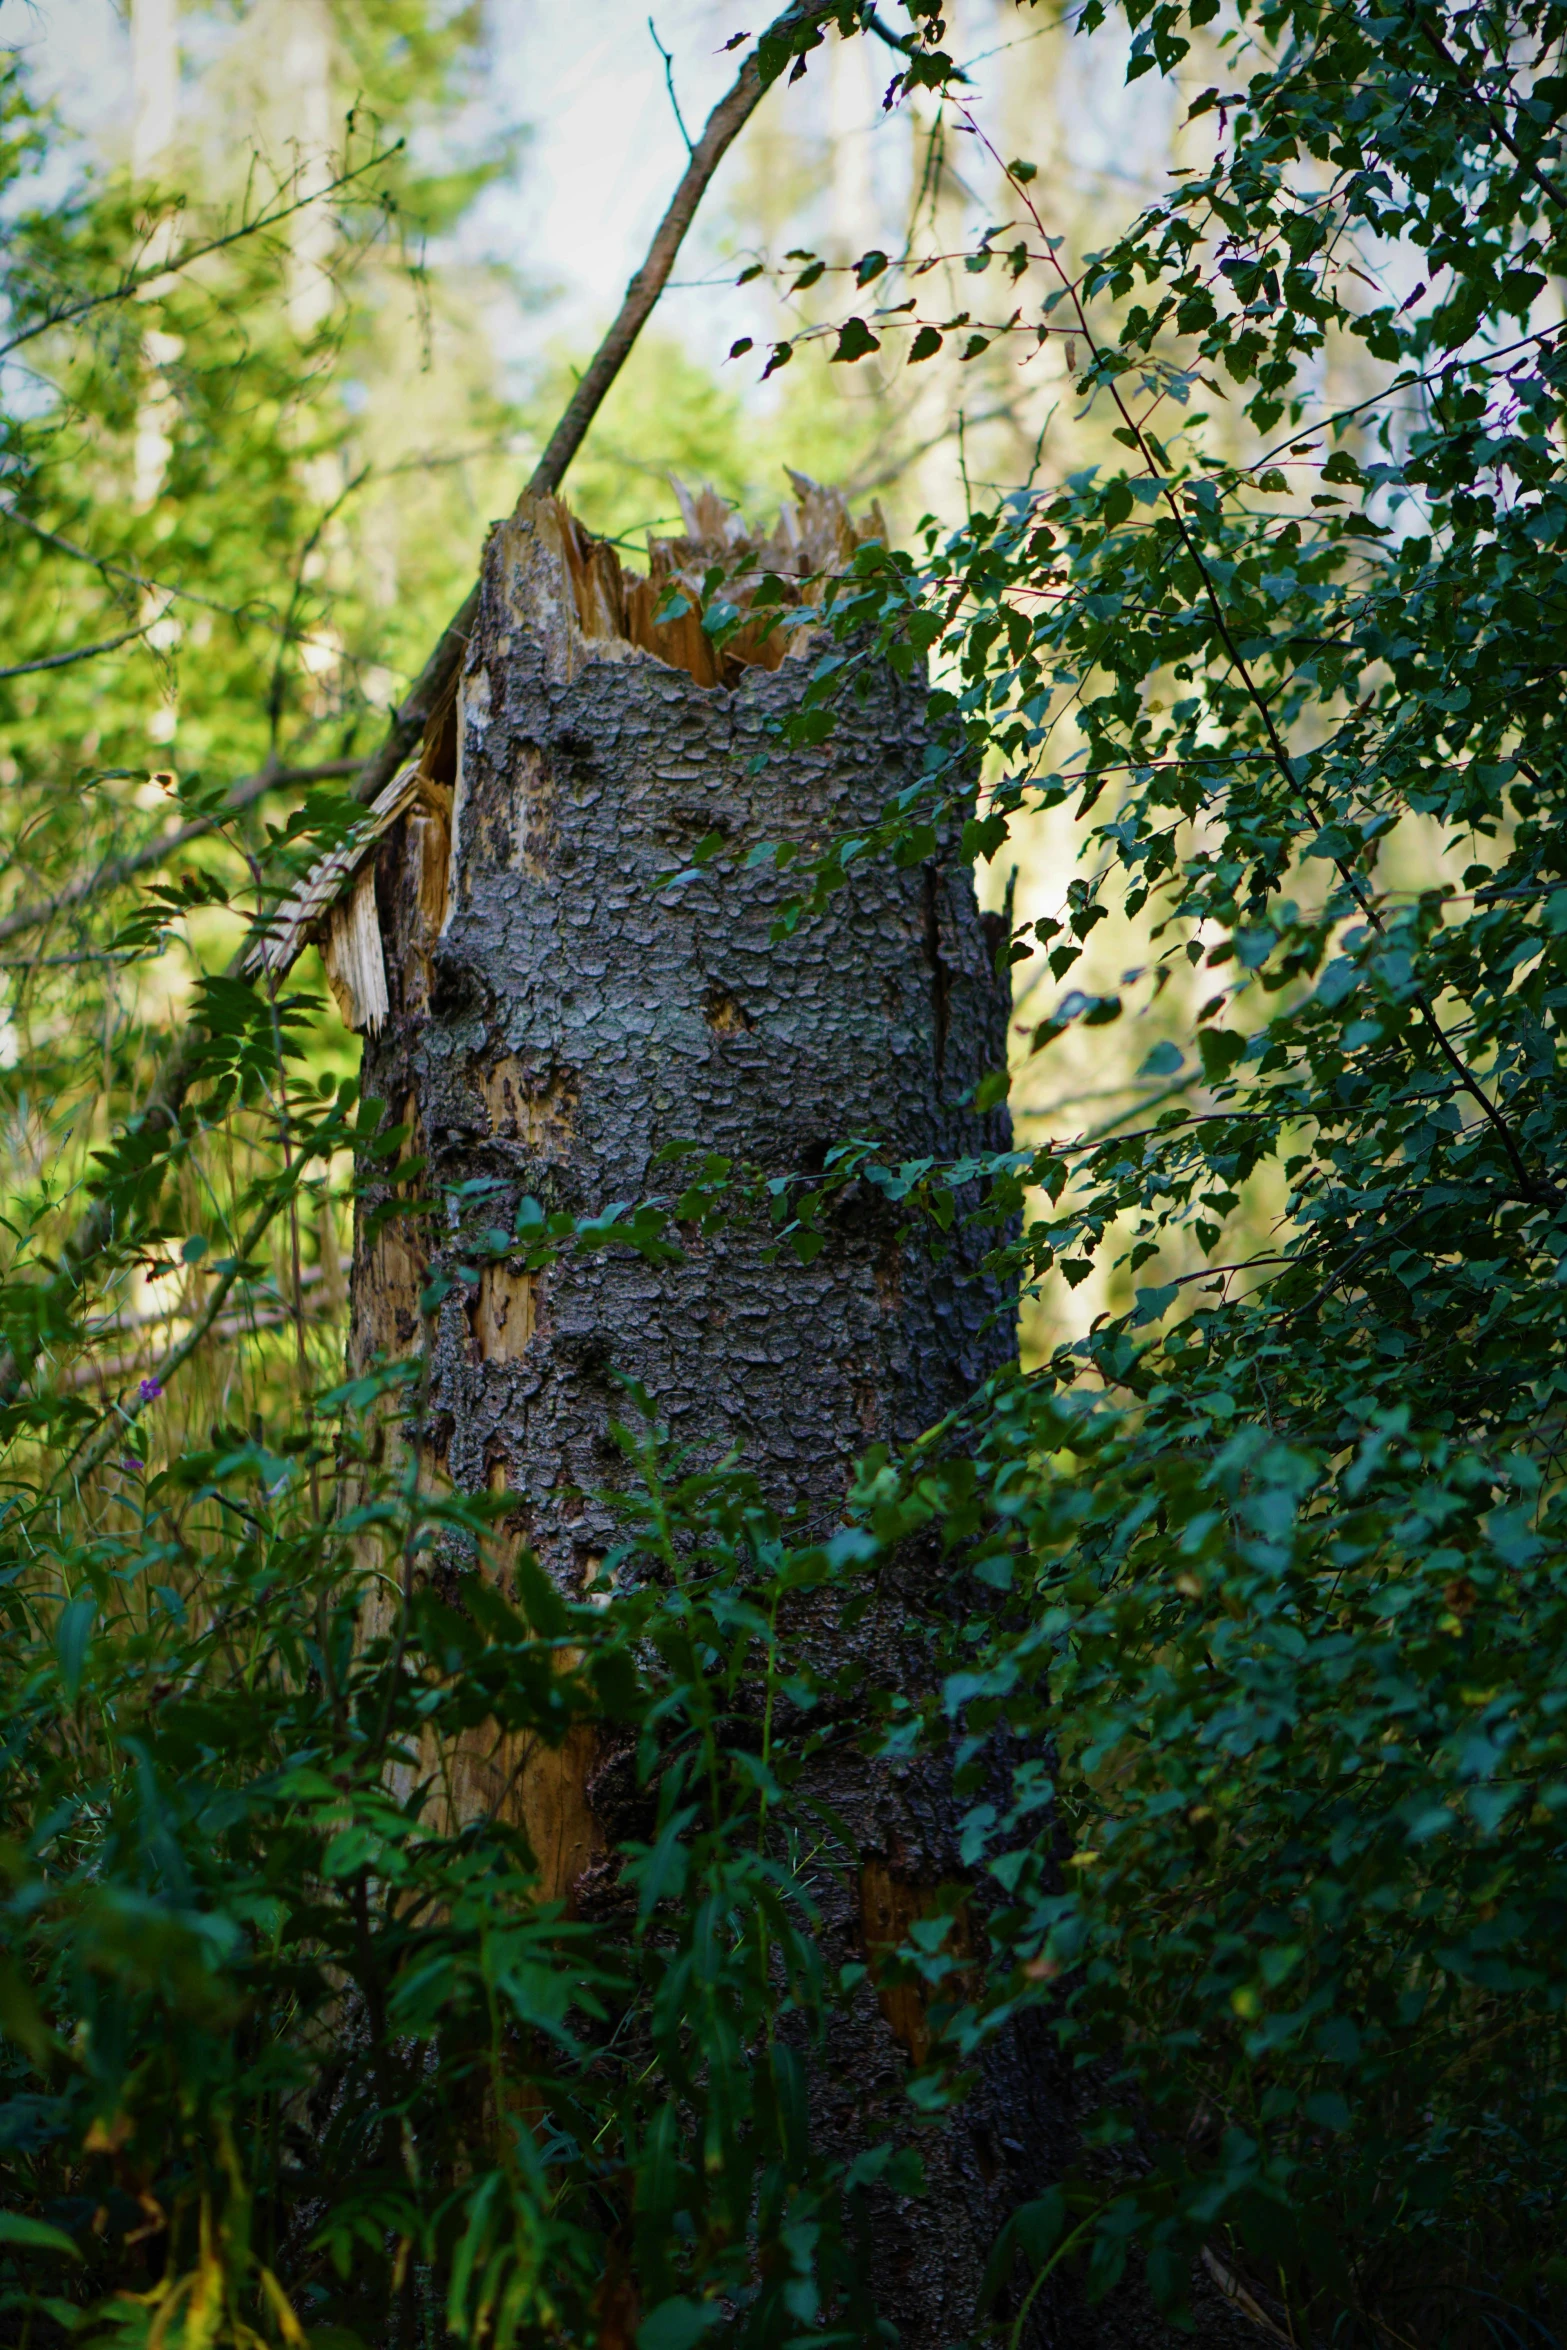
{"x":504,"y":1313}
{"x":1235,"y":2292}
{"x":427,"y":865}
{"x":355,"y":964}
{"x":521,"y":1109}
{"x":389,"y":1274}
{"x":889,"y":1905}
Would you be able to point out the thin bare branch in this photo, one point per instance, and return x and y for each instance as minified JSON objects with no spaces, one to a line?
{"x":133,"y":282}
{"x":110,"y":644}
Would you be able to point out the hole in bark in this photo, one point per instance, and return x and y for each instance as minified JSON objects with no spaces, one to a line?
{"x":591,"y":1356}
{"x":436,"y":1443}
{"x":457,"y":992}
{"x":725,"y":1014}
{"x":439,"y":760}
{"x":616,"y":1794}
{"x":538,"y":1112}
{"x":504,"y":1313}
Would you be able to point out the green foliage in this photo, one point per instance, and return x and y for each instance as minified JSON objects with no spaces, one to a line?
{"x":1286,"y":1549}
{"x":337,"y":2061}
{"x":1255,"y":1670}
{"x":1307,"y":1713}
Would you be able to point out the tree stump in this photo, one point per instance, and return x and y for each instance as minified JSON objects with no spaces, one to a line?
{"x":553,"y":1018}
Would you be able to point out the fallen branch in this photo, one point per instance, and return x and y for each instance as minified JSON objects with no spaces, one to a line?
{"x":1236,"y":2294}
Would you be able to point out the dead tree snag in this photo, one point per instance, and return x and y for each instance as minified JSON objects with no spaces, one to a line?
{"x":552,"y":1021}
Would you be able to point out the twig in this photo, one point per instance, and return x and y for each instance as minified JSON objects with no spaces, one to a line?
{"x":669,"y":84}
{"x":122,"y":1415}
{"x":1337,"y":1281}
{"x":243,"y":615}
{"x":110,"y":644}
{"x":115,"y":955}
{"x":286,"y":636}
{"x":240,"y":1324}
{"x":1525,"y":163}
{"x":902,"y":42}
{"x":134,"y":281}
{"x":860,"y":485}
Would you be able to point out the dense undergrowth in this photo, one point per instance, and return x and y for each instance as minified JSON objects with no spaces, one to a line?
{"x":1265,"y":1576}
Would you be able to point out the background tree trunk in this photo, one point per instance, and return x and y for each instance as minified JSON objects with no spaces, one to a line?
{"x":553,"y":1021}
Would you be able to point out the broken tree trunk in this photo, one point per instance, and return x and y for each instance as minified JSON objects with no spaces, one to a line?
{"x":551,"y":1021}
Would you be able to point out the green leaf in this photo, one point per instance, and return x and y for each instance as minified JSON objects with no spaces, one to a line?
{"x":36,"y":2235}
{"x":1039,"y":2225}
{"x":542,"y":1605}
{"x":855,"y":340}
{"x":678,"y":2324}
{"x":1220,"y":1049}
{"x":20,"y":2015}
{"x":72,"y":1639}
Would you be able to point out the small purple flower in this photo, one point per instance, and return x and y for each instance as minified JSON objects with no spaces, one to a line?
{"x":133,"y":1464}
{"x":151,"y":1389}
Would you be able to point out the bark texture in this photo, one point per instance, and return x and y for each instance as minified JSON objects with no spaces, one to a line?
{"x":553,"y":1020}
{"x":556,"y":1021}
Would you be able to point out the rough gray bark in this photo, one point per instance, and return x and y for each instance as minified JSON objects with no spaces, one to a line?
{"x":554,"y":1020}
{"x":568,"y":1021}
